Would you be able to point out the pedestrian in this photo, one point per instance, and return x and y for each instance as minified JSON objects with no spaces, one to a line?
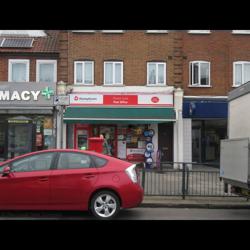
{"x":105,"y":145}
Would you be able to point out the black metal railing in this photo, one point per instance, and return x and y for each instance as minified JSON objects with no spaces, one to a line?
{"x":182,"y":179}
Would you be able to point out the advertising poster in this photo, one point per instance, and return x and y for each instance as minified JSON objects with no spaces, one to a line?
{"x":135,"y":154}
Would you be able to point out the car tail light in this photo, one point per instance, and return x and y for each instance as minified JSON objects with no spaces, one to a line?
{"x":131,"y":172}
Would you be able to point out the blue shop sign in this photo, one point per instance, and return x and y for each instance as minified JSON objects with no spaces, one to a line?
{"x":205,"y":108}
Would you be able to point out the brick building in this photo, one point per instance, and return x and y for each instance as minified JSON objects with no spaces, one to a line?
{"x":173,"y":84}
{"x":214,"y":63}
{"x":125,"y":84}
{"x":204,"y":64}
{"x":28,"y":76}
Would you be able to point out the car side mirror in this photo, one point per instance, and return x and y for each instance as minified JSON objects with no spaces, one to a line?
{"x":6,"y":171}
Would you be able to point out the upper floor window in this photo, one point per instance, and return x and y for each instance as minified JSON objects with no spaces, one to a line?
{"x":83,"y":31}
{"x":157,"y":31}
{"x":18,"y":70}
{"x":241,"y":71}
{"x":199,"y":31}
{"x":156,"y":73}
{"x":247,"y":32}
{"x":84,"y":72}
{"x":199,"y":73}
{"x":113,"y":73}
{"x":46,"y":70}
{"x":112,"y":31}
{"x":29,"y":33}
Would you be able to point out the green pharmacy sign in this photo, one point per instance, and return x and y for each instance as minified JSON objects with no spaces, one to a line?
{"x":47,"y":92}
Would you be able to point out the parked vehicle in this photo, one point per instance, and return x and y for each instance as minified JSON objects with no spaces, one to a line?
{"x":65,"y":179}
{"x":235,"y":151}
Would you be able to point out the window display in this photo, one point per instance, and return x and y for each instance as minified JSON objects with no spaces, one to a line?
{"x":2,"y":141}
{"x":109,"y":135}
{"x":19,"y":139}
{"x":131,"y":142}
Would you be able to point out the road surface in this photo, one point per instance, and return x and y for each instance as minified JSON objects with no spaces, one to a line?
{"x":141,"y":213}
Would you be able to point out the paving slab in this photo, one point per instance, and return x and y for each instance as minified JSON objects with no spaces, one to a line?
{"x":196,"y":202}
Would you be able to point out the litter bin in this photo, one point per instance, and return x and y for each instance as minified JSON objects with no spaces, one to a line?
{"x":96,"y":144}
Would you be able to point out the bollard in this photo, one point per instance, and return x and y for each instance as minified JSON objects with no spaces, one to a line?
{"x":183,"y":180}
{"x":143,"y":176}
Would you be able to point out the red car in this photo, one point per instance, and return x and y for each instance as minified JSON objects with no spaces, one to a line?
{"x":65,"y":179}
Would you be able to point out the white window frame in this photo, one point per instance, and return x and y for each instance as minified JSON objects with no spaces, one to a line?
{"x":83,"y":31}
{"x":242,"y":63}
{"x":12,"y":61}
{"x":113,"y":31}
{"x":241,"y":32}
{"x":114,"y":83}
{"x":191,"y":76}
{"x":199,"y":31}
{"x":157,"y":31}
{"x":39,"y":62}
{"x":29,"y":33}
{"x":165,"y":74}
{"x":83,"y":67}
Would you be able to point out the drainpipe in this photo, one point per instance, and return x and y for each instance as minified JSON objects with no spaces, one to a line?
{"x":178,"y":128}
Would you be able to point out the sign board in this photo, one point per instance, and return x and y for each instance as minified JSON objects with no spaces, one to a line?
{"x":28,"y":94}
{"x":119,"y":99}
{"x":135,"y":154}
{"x":235,"y":159}
{"x":61,"y":100}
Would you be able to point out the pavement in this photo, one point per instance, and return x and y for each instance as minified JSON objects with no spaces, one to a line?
{"x":196,"y":202}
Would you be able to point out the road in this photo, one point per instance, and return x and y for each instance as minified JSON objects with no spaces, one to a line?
{"x":140,"y":213}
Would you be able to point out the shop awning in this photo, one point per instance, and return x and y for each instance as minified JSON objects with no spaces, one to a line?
{"x":131,"y":115}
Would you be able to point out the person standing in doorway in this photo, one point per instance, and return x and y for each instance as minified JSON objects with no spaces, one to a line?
{"x":105,"y":145}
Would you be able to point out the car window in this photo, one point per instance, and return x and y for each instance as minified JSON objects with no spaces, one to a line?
{"x":37,"y":162}
{"x":73,"y":161}
{"x":99,"y":162}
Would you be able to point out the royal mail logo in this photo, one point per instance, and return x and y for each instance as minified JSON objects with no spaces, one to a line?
{"x":155,"y":99}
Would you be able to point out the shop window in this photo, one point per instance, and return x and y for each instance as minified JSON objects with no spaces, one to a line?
{"x":44,"y":132}
{"x":241,"y":71}
{"x":131,"y":142}
{"x":84,"y":72}
{"x":156,"y":73}
{"x":20,"y":134}
{"x":113,"y":73}
{"x":46,"y":70}
{"x":2,"y":141}
{"x":18,"y":70}
{"x":199,"y":74}
{"x":108,"y":133}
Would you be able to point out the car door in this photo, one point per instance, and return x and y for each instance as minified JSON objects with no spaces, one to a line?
{"x":73,"y":180}
{"x":27,"y":186}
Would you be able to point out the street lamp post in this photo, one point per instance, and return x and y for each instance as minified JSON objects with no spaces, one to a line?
{"x":61,"y":101}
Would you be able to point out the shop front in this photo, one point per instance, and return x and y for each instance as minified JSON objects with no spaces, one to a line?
{"x":26,"y":118}
{"x":128,"y":122}
{"x":207,"y":127}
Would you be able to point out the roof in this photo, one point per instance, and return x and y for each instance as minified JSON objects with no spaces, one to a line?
{"x":239,"y":91}
{"x":41,"y":44}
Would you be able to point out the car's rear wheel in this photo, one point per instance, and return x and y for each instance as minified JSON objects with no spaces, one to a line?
{"x":105,"y":205}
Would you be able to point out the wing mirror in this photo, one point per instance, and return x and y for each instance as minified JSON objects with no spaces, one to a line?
{"x":6,"y":171}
